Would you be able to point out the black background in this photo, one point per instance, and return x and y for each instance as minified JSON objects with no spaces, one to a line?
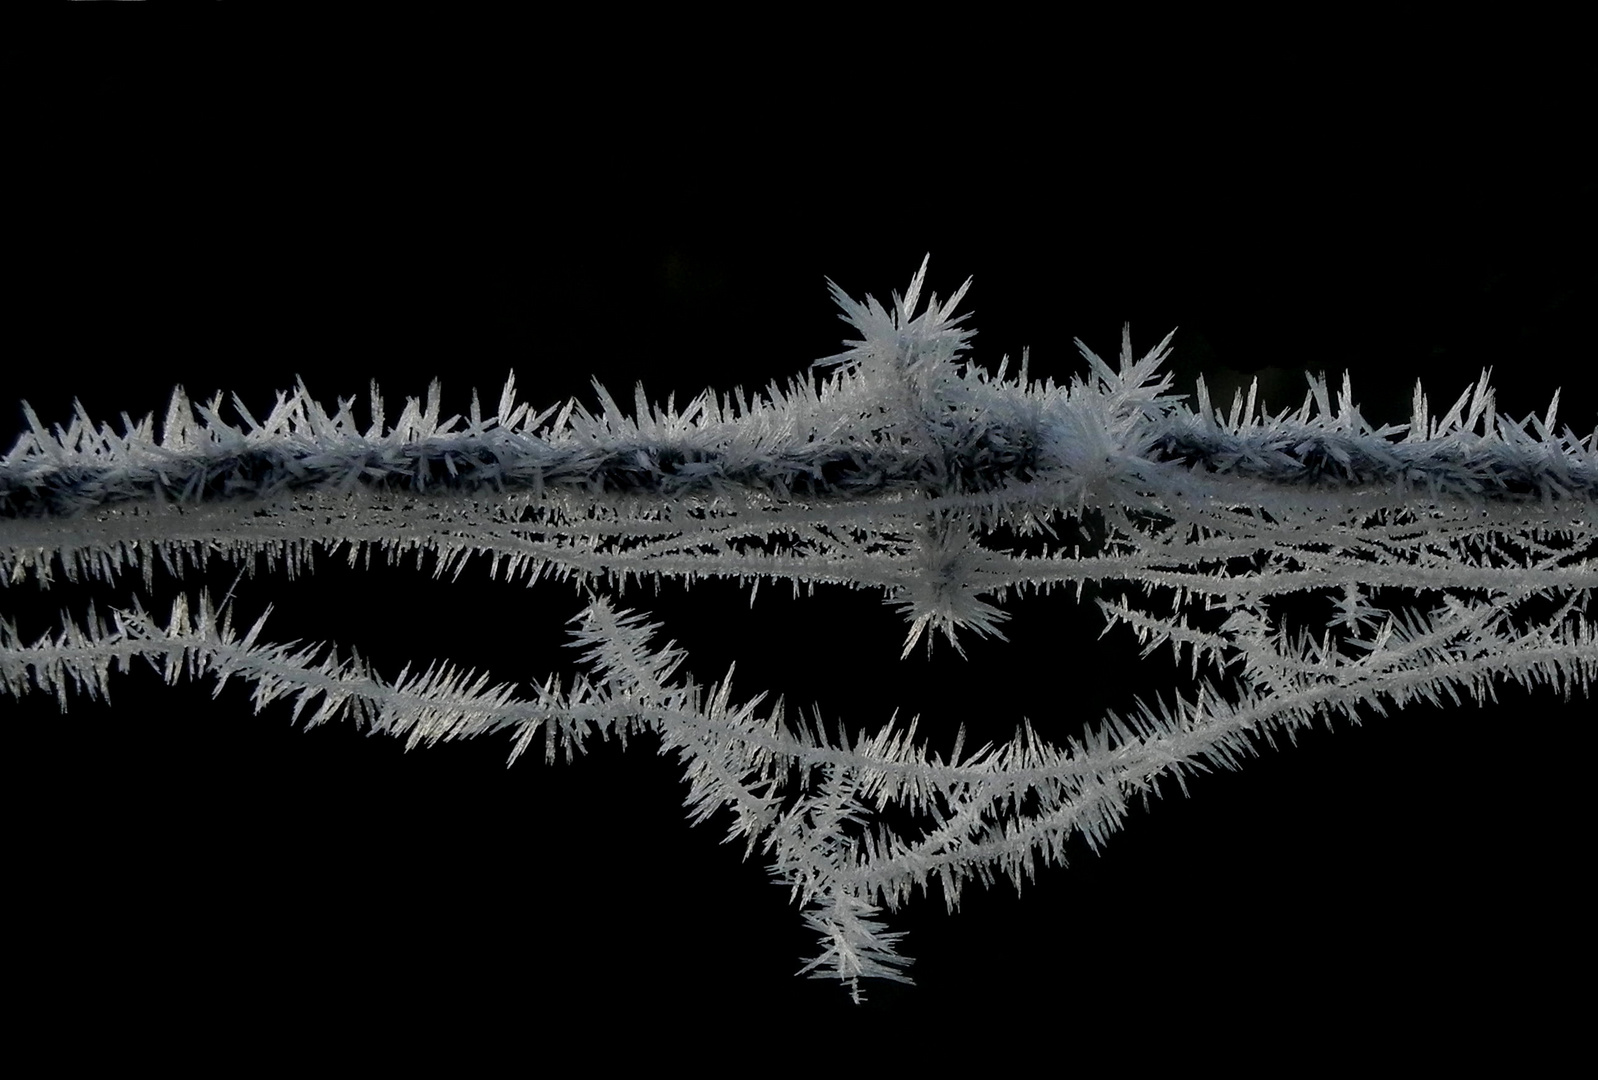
{"x":233,"y":214}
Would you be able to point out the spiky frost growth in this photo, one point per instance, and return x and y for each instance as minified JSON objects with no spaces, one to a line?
{"x":895,"y":473}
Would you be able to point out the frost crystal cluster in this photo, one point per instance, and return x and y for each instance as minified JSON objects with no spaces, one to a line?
{"x":898,"y":466}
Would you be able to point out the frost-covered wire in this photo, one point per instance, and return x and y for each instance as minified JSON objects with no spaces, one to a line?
{"x":892,"y":467}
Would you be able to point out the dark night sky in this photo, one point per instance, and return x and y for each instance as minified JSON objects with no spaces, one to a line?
{"x":335,"y":224}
